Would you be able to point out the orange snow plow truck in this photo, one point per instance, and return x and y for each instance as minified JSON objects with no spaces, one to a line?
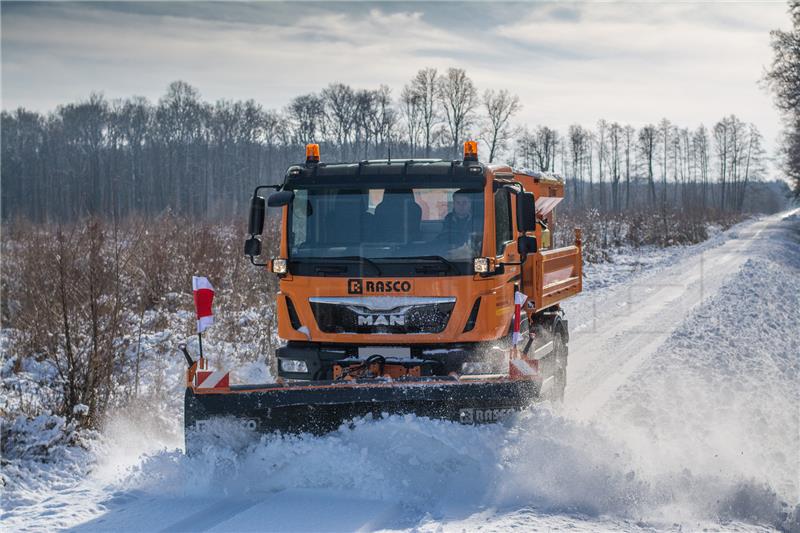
{"x":406,"y":286}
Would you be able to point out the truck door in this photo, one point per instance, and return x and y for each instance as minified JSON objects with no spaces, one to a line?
{"x":505,"y":252}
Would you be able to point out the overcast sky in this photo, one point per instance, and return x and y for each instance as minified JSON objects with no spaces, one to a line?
{"x":569,"y":63}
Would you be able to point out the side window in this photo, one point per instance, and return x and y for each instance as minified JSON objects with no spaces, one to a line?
{"x":300,"y":216}
{"x":502,"y":219}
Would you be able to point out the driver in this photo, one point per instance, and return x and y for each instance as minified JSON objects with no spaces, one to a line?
{"x":457,"y":224}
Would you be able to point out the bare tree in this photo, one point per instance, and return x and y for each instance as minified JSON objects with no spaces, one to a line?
{"x":340,"y":111}
{"x":580,"y":151}
{"x":382,"y":119}
{"x":664,"y":131}
{"x":602,"y":157}
{"x":615,"y":140}
{"x":500,"y":107}
{"x":413,"y":115}
{"x":424,"y":86}
{"x":753,"y":164}
{"x":701,"y":142}
{"x":648,"y":138}
{"x":539,"y":149}
{"x":629,"y":133}
{"x":306,"y":113}
{"x":721,"y":146}
{"x":459,"y":98}
{"x":365,"y":109}
{"x":525,"y":147}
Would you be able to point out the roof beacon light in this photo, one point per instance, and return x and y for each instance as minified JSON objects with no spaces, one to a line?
{"x":312,"y":153}
{"x":470,"y":151}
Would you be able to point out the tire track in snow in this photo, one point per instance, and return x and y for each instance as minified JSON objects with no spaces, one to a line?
{"x":211,"y":516}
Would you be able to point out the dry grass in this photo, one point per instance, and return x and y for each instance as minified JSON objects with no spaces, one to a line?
{"x":76,"y":296}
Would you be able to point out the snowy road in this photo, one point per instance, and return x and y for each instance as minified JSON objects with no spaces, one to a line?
{"x":682,"y":411}
{"x":627,"y":325}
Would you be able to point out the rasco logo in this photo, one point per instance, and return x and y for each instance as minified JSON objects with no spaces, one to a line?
{"x":484,"y":416}
{"x":360,"y":286}
{"x":355,"y":286}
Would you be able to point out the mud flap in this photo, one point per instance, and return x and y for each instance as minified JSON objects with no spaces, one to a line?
{"x":321,"y":407}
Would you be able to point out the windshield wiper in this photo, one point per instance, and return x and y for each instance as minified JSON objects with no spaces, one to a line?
{"x":348,"y":258}
{"x":450,"y":265}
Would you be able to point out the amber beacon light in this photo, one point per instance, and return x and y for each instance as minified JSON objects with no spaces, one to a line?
{"x":470,"y":151}
{"x":312,"y":153}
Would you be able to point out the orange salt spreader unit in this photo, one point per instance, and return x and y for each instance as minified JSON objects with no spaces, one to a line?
{"x":406,"y":286}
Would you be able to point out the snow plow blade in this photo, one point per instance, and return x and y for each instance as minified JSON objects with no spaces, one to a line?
{"x":320,"y":407}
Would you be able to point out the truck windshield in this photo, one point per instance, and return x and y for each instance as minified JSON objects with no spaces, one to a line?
{"x":383,"y":225}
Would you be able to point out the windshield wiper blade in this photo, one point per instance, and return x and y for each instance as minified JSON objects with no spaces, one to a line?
{"x":358,"y":258}
{"x":450,"y":265}
{"x":330,"y":269}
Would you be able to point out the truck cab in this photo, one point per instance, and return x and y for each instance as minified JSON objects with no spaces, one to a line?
{"x":418,"y":261}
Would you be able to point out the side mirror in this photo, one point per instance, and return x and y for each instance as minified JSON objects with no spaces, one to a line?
{"x":527,"y":245}
{"x":252,"y":247}
{"x":280,"y":199}
{"x":526,"y":212}
{"x":256,"y":224}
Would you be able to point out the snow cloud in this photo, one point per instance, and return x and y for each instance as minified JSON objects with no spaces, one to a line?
{"x":631,"y":62}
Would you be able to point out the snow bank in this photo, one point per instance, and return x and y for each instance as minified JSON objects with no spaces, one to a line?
{"x":438,"y":472}
{"x":42,"y":454}
{"x":715,"y":413}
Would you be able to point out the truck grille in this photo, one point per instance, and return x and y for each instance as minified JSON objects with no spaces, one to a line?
{"x":381,"y":314}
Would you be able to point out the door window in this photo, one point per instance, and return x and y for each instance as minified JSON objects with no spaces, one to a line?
{"x":502,"y":219}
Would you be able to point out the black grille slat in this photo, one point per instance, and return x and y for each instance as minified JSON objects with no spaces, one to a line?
{"x":416,"y":319}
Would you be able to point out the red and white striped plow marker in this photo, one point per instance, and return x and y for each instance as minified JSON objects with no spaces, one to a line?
{"x":519,"y":301}
{"x":206,"y":379}
{"x":203,"y":298}
{"x":523,"y":368}
{"x":210,"y":379}
{"x":517,"y":367}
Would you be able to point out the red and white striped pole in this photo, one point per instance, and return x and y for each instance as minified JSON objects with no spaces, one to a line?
{"x":520,"y":367}
{"x":519,"y":301}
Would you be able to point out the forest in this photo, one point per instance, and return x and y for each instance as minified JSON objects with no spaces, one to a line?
{"x":115,"y":158}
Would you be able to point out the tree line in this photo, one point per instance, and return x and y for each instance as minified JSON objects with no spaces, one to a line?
{"x":616,"y":167}
{"x":193,"y":157}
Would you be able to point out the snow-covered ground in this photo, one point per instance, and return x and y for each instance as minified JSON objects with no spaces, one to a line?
{"x":682,"y":412}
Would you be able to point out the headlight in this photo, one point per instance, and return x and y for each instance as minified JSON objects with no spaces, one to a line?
{"x":279,"y":266}
{"x":293,"y":365}
{"x":481,"y":265}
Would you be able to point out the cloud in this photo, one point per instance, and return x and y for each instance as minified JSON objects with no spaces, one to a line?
{"x":691,"y":62}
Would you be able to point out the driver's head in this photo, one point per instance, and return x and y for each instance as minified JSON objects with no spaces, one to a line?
{"x":462,"y":206}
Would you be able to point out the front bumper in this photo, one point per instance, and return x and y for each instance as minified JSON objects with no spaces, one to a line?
{"x":319,"y":357}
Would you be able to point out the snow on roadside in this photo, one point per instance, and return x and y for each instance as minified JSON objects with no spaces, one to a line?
{"x":718,"y":406}
{"x":650,"y":463}
{"x":46,"y":460}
